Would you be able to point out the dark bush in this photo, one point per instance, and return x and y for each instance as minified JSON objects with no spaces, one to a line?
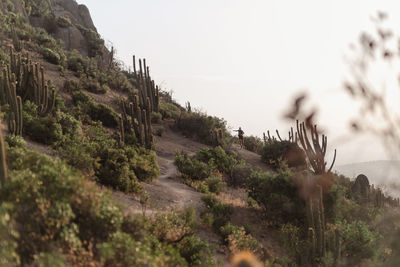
{"x":217,"y":156}
{"x":192,"y":168}
{"x":97,"y":112}
{"x":240,"y":174}
{"x":274,"y":152}
{"x":202,"y":127}
{"x":278,"y":195}
{"x":253,"y":143}
{"x":50,"y":55}
{"x":221,"y":212}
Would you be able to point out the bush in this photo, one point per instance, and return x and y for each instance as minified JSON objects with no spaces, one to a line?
{"x":221,"y":213}
{"x":253,"y":144}
{"x":50,"y":55}
{"x":156,"y":117}
{"x":160,"y":131}
{"x":274,"y":152}
{"x":191,"y":168}
{"x":215,"y":184}
{"x":240,"y":173}
{"x":223,"y":161}
{"x":278,"y":195}
{"x":45,"y":130}
{"x":358,"y":240}
{"x":202,"y":127}
{"x":94,"y":86}
{"x":196,"y":251}
{"x":97,"y":112}
{"x":63,"y":22}
{"x":169,"y":110}
{"x":71,"y":86}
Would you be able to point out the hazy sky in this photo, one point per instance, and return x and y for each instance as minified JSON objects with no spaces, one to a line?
{"x":245,"y":60}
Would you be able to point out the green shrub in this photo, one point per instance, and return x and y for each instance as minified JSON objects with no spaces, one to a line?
{"x":76,"y":62}
{"x":94,"y":86}
{"x":202,"y":127}
{"x":45,"y":130}
{"x":160,"y":131}
{"x":215,"y":184}
{"x":64,"y":21}
{"x":169,"y":110}
{"x":253,"y":143}
{"x":239,"y":175}
{"x":8,"y":237}
{"x":71,"y":86}
{"x":97,"y":112}
{"x":274,"y":152}
{"x":358,"y":241}
{"x":50,"y":55}
{"x":223,"y":161}
{"x":221,"y":212}
{"x":191,"y":168}
{"x":278,"y":195}
{"x":196,"y":251}
{"x":156,"y":117}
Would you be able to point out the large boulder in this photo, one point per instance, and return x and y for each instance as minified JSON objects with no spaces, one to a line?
{"x":361,"y":186}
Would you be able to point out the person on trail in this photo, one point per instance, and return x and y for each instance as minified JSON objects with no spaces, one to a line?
{"x":240,"y":135}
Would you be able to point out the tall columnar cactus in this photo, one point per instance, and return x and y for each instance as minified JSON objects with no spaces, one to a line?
{"x":314,"y":150}
{"x":3,"y":164}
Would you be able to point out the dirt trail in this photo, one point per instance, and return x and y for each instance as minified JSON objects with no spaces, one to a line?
{"x":166,"y":193}
{"x":251,"y":157}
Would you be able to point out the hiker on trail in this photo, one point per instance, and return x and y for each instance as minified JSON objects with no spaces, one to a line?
{"x":240,"y":135}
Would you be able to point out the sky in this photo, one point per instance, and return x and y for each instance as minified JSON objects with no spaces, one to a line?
{"x":245,"y":60}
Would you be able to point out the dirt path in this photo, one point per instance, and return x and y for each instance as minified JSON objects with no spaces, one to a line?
{"x":166,"y":192}
{"x":251,"y":157}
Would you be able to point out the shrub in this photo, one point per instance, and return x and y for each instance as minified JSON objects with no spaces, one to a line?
{"x":94,"y":86}
{"x":238,"y":241}
{"x":202,"y":127}
{"x":215,"y":184}
{"x":191,"y":168}
{"x":223,"y":161}
{"x":278,"y":195}
{"x":97,"y":112}
{"x":253,"y":143}
{"x":196,"y":251}
{"x":160,"y":131}
{"x":156,"y":117}
{"x":63,"y":22}
{"x":169,"y":110}
{"x":272,"y":153}
{"x":45,"y":130}
{"x":358,"y":240}
{"x":221,"y":212}
{"x":50,"y":55}
{"x":240,"y":173}
{"x":71,"y":86}
{"x":76,"y":62}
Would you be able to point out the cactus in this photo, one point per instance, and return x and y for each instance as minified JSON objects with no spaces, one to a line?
{"x":121,"y":130}
{"x":3,"y":164}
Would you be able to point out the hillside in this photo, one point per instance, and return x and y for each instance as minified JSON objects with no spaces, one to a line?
{"x":101,"y":167}
{"x":383,"y":173}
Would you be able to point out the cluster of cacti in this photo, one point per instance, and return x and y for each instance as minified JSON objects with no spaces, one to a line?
{"x":378,"y":198}
{"x":30,"y":82}
{"x":8,"y":95}
{"x":137,"y":120}
{"x":292,"y":137}
{"x":148,"y":91}
{"x":315,"y":151}
{"x":320,"y":240}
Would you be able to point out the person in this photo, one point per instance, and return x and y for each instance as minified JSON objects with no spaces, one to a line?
{"x":240,"y":135}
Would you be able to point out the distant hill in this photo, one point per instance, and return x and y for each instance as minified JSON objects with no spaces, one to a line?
{"x":385,"y":173}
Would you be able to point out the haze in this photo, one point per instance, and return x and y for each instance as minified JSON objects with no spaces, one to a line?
{"x":246,"y":60}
